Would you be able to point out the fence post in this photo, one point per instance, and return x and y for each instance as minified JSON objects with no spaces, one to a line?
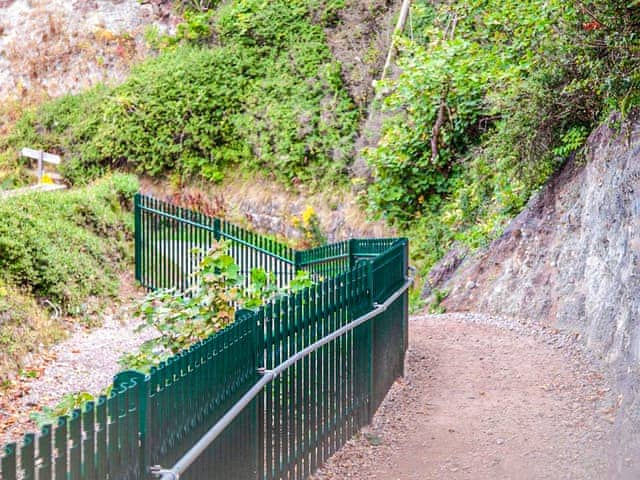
{"x":259,"y":419}
{"x":217,"y":228}
{"x":370,"y":334}
{"x":257,"y":405}
{"x":126,"y":378}
{"x":296,"y":263}
{"x":405,"y":309}
{"x":352,"y":254}
{"x":137,"y":212}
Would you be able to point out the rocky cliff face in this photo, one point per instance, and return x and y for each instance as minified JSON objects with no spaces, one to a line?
{"x":58,"y":46}
{"x":571,"y":261}
{"x":571,"y":258}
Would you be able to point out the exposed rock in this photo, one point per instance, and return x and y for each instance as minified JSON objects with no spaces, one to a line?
{"x":49,"y":48}
{"x":267,"y":207}
{"x":571,"y":257}
{"x":444,"y":269}
{"x":359,"y":37}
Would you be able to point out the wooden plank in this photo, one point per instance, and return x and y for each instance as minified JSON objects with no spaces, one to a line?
{"x":46,"y":157}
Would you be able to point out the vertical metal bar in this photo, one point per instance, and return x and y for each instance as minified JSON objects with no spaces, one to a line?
{"x":9,"y":464}
{"x":269,"y":414}
{"x":60,"y":439}
{"x":340,"y":364}
{"x":317,"y":377}
{"x":88,"y":443}
{"x":216,"y":228}
{"x":308,"y":381}
{"x":279,"y":392}
{"x":154,"y":245}
{"x":45,"y":454}
{"x":101,"y":438}
{"x":27,"y":457}
{"x":113,"y":447}
{"x":137,"y":235}
{"x":325,"y":374}
{"x":75,"y":450}
{"x":290,"y":379}
{"x":299,"y":376}
{"x":147,"y":245}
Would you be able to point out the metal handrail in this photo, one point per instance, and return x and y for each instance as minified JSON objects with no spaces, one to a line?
{"x":267,"y":376}
{"x":215,"y":231}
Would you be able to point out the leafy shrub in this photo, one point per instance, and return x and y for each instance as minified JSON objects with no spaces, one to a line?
{"x":64,"y":408}
{"x":492,"y":98}
{"x":64,"y":246}
{"x":265,"y":94}
{"x":308,"y":224}
{"x":183,"y":318}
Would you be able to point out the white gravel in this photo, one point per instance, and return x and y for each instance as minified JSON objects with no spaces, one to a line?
{"x":84,"y":362}
{"x":88,"y":360}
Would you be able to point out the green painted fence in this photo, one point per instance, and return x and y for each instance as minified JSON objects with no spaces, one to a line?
{"x":298,"y":421}
{"x":166,"y":236}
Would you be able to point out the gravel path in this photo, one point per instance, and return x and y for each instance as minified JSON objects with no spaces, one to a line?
{"x":487,"y":398}
{"x":84,"y":362}
{"x":88,"y":360}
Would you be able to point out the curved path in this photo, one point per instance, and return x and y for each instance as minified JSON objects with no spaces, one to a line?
{"x":486,"y":398}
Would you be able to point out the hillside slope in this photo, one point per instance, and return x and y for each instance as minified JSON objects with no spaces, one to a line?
{"x":571,"y":258}
{"x":571,"y":261}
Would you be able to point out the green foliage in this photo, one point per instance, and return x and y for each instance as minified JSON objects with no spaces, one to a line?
{"x":266,"y":94}
{"x":416,"y":302}
{"x":572,"y":141}
{"x":195,"y":29}
{"x":64,"y":246}
{"x":183,"y":318}
{"x":436,"y":306}
{"x":493,"y":96}
{"x":309,"y":226}
{"x":66,"y":406}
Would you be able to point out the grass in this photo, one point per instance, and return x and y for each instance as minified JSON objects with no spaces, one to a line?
{"x":61,"y":254}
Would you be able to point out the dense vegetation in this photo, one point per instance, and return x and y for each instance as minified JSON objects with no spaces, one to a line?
{"x":493,"y":97}
{"x":60,"y":254}
{"x":251,"y":84}
{"x":64,"y":247}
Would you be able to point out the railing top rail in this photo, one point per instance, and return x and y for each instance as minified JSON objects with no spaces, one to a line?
{"x":225,"y":230}
{"x":268,"y":376}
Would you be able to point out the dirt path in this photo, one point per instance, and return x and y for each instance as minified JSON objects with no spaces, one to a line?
{"x":485,"y":398}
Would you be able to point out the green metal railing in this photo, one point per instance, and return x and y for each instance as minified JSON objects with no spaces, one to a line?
{"x":300,"y":417}
{"x":166,"y":236}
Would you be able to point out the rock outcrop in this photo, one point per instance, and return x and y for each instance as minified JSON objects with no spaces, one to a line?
{"x":571,"y":261}
{"x":571,"y":258}
{"x":49,"y":48}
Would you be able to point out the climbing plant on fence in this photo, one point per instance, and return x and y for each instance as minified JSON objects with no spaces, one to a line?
{"x":297,"y":421}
